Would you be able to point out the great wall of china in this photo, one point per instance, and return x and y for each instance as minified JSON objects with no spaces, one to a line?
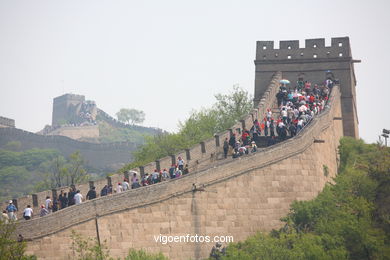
{"x":238,"y":197}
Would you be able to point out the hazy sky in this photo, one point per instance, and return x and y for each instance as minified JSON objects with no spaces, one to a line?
{"x":168,"y":57}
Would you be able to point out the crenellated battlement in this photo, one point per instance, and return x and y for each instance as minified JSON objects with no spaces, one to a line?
{"x":314,"y":49}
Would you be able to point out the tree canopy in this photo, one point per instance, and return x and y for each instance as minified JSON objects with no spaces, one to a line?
{"x":36,"y":170}
{"x":130,"y":115}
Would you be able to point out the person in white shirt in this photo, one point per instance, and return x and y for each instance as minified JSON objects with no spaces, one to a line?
{"x":125,"y":185}
{"x":242,"y":150}
{"x":78,"y":198}
{"x":299,"y":124}
{"x":284,"y":115}
{"x":48,"y":203}
{"x":269,"y":114}
{"x":28,"y":213}
{"x":165,"y":175}
{"x":180,"y":163}
{"x":119,"y":188}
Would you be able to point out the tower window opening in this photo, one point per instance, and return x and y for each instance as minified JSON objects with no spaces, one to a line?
{"x":264,"y":47}
{"x":315,"y":56}
{"x":289,"y":57}
{"x":289,"y":47}
{"x":315,"y":46}
{"x":340,"y":54}
{"x":340,"y":44}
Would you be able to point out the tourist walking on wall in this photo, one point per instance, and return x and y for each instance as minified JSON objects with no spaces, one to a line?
{"x":165,"y":175}
{"x":125,"y":185}
{"x":44,"y":211}
{"x":63,"y":198}
{"x":78,"y":198}
{"x":119,"y":188}
{"x":11,"y":211}
{"x":180,"y":163}
{"x":48,"y":203}
{"x":232,"y":141}
{"x":54,"y":207}
{"x":135,"y":182}
{"x":28,"y":213}
{"x":71,"y":193}
{"x":4,"y":217}
{"x":172,"y":171}
{"x":225,"y":147}
{"x":186,"y":170}
{"x":104,"y":191}
{"x":91,"y":194}
{"x":155,"y":176}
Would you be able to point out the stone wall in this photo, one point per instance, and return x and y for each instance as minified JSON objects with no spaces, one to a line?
{"x":77,"y":132}
{"x":240,"y":197}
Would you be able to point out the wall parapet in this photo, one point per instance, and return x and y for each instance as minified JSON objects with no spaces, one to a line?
{"x":58,"y":221}
{"x":314,"y":49}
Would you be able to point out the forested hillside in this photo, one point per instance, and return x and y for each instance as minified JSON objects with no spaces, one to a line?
{"x":34,"y":170}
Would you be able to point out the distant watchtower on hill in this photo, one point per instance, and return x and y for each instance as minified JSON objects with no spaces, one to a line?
{"x":72,"y":109}
{"x":64,"y":108}
{"x":314,"y":63}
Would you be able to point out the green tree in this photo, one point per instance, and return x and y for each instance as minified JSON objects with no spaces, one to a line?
{"x":90,"y":249}
{"x":133,"y":116}
{"x":75,"y":170}
{"x":232,"y":107}
{"x":59,"y":172}
{"x":14,"y":180}
{"x":142,"y":255}
{"x":13,"y":146}
{"x":55,"y":173}
{"x":10,"y":248}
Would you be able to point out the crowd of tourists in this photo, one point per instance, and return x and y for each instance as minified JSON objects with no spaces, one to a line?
{"x":86,"y":111}
{"x":296,"y":107}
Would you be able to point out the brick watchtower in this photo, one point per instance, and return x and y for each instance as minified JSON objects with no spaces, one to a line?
{"x":65,"y":108}
{"x":314,"y":63}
